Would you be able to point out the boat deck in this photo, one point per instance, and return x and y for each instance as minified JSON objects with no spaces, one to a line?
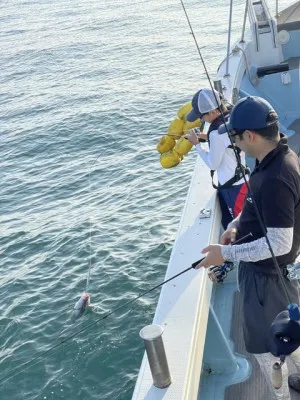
{"x":255,"y":387}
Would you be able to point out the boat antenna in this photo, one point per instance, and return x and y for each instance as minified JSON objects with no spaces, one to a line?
{"x":250,"y":194}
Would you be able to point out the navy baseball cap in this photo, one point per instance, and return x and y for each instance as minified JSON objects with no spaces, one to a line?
{"x":249,"y":113}
{"x":203,"y":102}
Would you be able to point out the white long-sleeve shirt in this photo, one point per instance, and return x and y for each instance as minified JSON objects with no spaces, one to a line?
{"x":281,"y":240}
{"x":220,"y":158}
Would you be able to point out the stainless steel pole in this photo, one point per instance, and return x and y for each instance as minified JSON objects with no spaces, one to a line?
{"x":229,"y":39}
{"x":244,"y":23}
{"x":152,"y":336}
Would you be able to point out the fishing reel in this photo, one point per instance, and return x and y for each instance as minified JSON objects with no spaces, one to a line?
{"x":218,"y":273}
{"x":285,"y":331}
{"x":285,"y":338}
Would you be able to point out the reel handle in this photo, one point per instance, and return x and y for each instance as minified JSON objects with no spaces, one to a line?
{"x":294,"y":312}
{"x":277,"y":375}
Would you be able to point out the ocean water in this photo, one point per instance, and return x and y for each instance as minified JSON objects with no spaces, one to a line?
{"x":87,"y":90}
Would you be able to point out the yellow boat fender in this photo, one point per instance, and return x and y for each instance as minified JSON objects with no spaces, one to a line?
{"x":165,"y":144}
{"x":176,"y":127}
{"x":169,"y":159}
{"x":172,"y":152}
{"x":183,"y":146}
{"x":184,"y":110}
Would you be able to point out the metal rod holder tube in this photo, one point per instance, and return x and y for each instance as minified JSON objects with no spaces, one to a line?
{"x":218,"y":86}
{"x":229,"y":39}
{"x":244,"y":23}
{"x":152,"y":336}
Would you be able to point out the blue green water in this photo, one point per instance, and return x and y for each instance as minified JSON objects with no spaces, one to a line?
{"x":87,"y":90}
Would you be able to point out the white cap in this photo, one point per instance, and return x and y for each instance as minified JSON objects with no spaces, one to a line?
{"x":204,"y":101}
{"x":208,"y":101}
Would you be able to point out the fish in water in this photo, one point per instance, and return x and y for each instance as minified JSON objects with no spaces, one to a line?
{"x":80,"y":306}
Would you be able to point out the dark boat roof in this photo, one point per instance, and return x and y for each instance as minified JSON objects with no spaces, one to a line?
{"x":289,"y":18}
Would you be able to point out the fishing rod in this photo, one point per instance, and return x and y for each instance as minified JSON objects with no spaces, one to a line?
{"x":182,"y":136}
{"x":173,"y":135}
{"x":36,"y":359}
{"x":241,"y":167}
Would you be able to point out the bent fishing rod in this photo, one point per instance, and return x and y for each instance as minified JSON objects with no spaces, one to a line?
{"x":257,"y":211}
{"x":36,"y":359}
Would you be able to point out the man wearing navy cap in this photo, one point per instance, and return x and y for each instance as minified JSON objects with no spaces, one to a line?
{"x":231,"y":189}
{"x":275,"y":186}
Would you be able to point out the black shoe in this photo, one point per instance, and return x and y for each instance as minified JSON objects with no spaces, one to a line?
{"x":294,"y":381}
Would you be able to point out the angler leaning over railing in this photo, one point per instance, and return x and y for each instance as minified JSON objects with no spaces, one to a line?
{"x":220,"y":157}
{"x":272,"y":214}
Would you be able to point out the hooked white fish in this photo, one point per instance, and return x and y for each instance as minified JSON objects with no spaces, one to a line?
{"x":80,"y":306}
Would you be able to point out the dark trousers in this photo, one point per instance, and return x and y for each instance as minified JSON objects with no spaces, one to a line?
{"x":263,"y":299}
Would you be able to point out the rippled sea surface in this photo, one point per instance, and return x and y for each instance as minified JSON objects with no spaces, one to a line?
{"x":87,"y":90}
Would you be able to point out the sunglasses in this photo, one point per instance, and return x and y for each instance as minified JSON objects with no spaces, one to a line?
{"x":236,"y":132}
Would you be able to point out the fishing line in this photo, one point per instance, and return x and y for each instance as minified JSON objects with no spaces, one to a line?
{"x":90,"y":230}
{"x":90,"y":236}
{"x":257,"y":212}
{"x":90,"y":224}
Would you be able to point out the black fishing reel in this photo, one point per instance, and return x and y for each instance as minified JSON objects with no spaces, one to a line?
{"x":218,"y":273}
{"x":285,"y":339}
{"x":285,"y":331}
